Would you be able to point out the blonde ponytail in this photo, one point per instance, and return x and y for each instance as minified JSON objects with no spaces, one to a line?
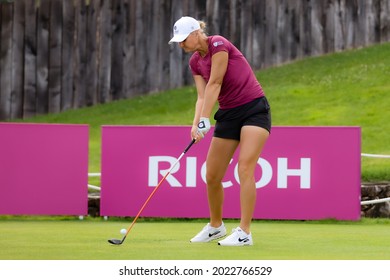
{"x":202,"y":26}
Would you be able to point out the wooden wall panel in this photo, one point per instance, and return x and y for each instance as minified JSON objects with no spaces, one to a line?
{"x":57,"y":55}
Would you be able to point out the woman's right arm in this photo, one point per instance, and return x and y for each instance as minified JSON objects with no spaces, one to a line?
{"x":200,"y":84}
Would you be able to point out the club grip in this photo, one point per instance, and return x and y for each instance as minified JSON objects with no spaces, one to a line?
{"x":189,"y":146}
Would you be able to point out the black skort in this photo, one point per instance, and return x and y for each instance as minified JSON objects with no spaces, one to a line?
{"x":230,"y":121}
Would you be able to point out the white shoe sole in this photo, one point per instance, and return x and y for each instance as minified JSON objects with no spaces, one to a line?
{"x":215,"y":237}
{"x":235,"y":244}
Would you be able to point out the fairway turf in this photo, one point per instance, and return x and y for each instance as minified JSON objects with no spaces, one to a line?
{"x":40,"y":239}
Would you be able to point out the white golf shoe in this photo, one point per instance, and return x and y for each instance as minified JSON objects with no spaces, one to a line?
{"x":209,"y":233}
{"x":238,"y":237}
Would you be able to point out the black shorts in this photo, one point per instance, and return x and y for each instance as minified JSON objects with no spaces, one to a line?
{"x":230,"y":121}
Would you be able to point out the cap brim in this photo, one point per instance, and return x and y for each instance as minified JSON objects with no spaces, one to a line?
{"x":178,"y":38}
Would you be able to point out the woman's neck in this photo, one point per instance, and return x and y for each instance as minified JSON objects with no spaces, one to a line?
{"x":204,"y":45}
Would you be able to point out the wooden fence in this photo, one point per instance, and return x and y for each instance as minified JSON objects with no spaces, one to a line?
{"x":61,"y":54}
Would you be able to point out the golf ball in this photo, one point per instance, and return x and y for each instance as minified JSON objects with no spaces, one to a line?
{"x":123,"y":231}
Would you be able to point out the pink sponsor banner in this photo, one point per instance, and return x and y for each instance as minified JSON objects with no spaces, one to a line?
{"x":304,"y":173}
{"x":43,"y":169}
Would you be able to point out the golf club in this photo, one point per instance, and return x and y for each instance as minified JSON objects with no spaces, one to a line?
{"x":118,"y":241}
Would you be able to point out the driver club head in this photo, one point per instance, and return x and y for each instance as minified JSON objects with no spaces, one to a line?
{"x":115,"y":241}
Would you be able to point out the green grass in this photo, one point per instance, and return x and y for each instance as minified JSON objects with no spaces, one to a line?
{"x":351,"y":88}
{"x":71,"y":239}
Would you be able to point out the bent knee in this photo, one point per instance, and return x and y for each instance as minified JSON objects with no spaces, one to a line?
{"x":245,"y":171}
{"x":212,"y":180}
{"x":244,"y":168}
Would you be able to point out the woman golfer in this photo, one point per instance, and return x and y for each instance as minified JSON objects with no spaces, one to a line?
{"x":221,"y":73}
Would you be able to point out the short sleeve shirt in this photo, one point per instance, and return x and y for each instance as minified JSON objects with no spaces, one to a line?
{"x":239,"y":85}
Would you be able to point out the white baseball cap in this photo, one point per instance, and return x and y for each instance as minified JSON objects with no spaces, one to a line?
{"x":182,"y":28}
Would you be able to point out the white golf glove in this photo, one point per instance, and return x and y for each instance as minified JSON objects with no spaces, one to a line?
{"x":203,"y":126}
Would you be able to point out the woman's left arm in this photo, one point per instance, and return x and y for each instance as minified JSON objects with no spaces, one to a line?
{"x":219,"y":63}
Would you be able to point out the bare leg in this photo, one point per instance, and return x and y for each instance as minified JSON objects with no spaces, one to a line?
{"x":218,"y":159}
{"x":252,"y":142}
